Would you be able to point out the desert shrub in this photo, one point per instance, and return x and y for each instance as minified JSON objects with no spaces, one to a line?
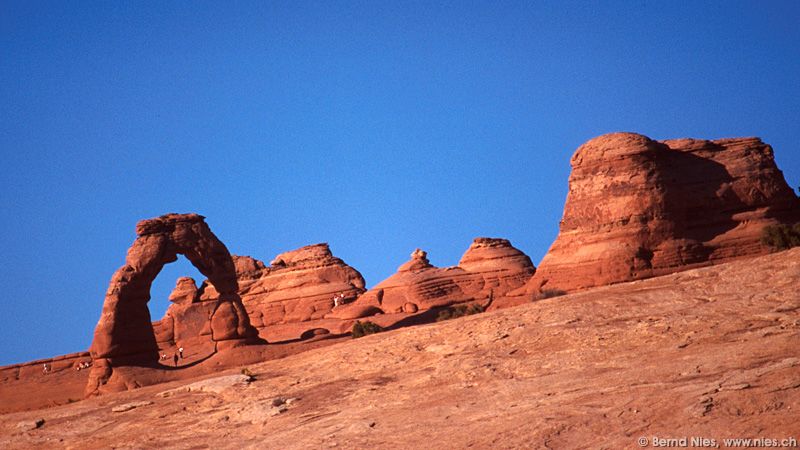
{"x":550,"y":293}
{"x":364,"y":328}
{"x":452,"y":312}
{"x":781,"y":237}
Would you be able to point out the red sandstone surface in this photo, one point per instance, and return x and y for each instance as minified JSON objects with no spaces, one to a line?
{"x":636,"y":209}
{"x":709,"y":352}
{"x":489,"y":269}
{"x":124,"y":333}
{"x":639,"y":208}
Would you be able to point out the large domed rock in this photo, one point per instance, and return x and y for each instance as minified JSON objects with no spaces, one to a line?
{"x":639,"y":208}
{"x":298,"y":286}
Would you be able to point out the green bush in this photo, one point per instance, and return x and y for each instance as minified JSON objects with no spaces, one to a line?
{"x":781,"y":237}
{"x":364,"y":328}
{"x":452,"y":312}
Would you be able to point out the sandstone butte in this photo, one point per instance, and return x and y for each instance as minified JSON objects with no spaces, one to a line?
{"x":639,"y":208}
{"x":636,"y":209}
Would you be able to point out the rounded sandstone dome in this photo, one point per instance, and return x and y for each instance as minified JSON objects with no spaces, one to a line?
{"x":613,"y":146}
{"x":494,"y":253}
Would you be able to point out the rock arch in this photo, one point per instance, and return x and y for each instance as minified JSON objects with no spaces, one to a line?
{"x":124,"y":334}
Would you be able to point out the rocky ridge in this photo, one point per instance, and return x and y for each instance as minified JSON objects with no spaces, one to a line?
{"x":636,"y":208}
{"x":707,"y":353}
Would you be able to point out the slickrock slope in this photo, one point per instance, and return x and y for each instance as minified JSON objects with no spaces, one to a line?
{"x":709,"y":352}
{"x":639,"y":208}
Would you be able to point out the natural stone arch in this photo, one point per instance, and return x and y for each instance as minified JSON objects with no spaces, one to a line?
{"x":124,"y":333}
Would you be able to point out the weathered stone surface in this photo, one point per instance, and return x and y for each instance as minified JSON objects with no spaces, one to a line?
{"x":28,"y":425}
{"x":419,"y":261}
{"x":124,"y":333}
{"x":185,"y":291}
{"x":500,"y":266}
{"x":215,"y":385}
{"x":709,"y":352}
{"x":639,"y":208}
{"x":488,"y":270}
{"x":129,"y":406}
{"x":283,"y":301}
{"x":298,"y":286}
{"x":354,"y":311}
{"x":186,"y":322}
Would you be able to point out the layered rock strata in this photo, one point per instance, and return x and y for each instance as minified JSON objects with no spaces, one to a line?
{"x":639,"y":208}
{"x":301,"y":285}
{"x":293,"y":294}
{"x":489,"y":269}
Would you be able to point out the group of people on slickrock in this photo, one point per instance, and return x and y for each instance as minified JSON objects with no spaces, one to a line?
{"x":636,"y":208}
{"x":175,"y":357}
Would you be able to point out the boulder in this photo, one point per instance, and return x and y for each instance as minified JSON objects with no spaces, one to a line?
{"x":28,"y":425}
{"x":185,"y":291}
{"x":419,"y":261}
{"x":216,"y":385}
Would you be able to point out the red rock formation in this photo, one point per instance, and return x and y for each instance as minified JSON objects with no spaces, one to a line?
{"x":185,"y":291}
{"x":186,"y":321}
{"x":489,"y":269}
{"x":293,"y":293}
{"x":639,"y":208}
{"x":502,"y":269}
{"x":124,"y":334}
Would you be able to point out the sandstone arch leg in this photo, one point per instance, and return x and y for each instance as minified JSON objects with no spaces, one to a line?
{"x":124,"y":333}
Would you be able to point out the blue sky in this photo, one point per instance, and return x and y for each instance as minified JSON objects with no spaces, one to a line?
{"x":377,"y":127}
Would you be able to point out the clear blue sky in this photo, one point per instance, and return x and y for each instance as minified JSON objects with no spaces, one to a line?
{"x":375,"y":126}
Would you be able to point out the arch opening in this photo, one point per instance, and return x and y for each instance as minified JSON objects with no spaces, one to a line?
{"x":166,"y":282}
{"x":125,"y":334}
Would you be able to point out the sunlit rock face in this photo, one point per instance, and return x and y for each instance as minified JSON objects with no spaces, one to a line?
{"x":297,"y":286}
{"x":489,"y":269}
{"x":124,"y":334}
{"x":639,"y":208}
